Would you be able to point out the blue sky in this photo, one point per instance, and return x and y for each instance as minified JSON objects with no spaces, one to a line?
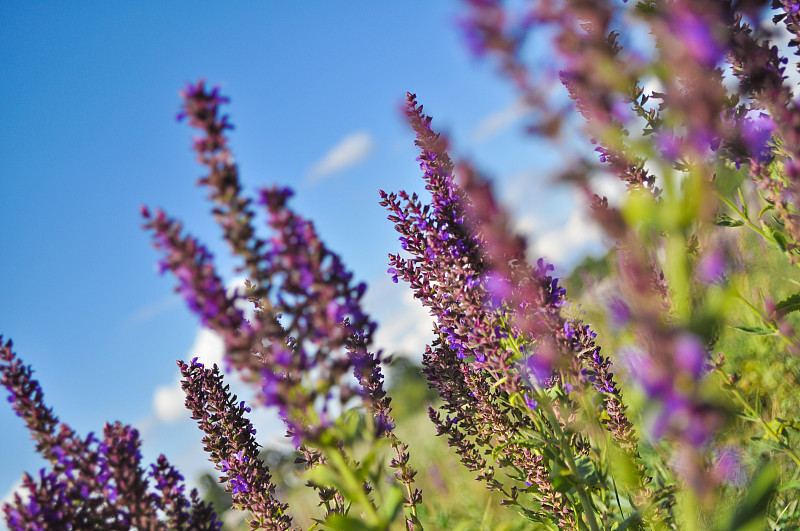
{"x":89,"y":134}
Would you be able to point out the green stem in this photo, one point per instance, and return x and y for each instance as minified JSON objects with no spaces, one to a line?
{"x":767,"y":428}
{"x":398,"y":453}
{"x":353,"y":485}
{"x":777,"y":332}
{"x":544,"y":400}
{"x":755,"y":227}
{"x":588,"y":508}
{"x":745,"y":218}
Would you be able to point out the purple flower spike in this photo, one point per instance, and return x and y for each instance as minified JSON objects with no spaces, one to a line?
{"x":92,"y":484}
{"x":230,"y":442}
{"x":695,"y":33}
{"x":620,"y":312}
{"x":712,"y":266}
{"x":756,"y":133}
{"x":690,"y":355}
{"x":729,"y":466}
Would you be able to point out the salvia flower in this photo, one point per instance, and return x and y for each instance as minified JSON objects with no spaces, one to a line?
{"x":492,"y":311}
{"x":309,"y":336}
{"x":230,"y":442}
{"x":92,"y":483}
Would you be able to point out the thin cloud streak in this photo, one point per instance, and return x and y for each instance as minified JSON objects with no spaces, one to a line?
{"x":405,"y":326}
{"x":494,"y":123}
{"x":145,"y":313}
{"x":350,"y":151}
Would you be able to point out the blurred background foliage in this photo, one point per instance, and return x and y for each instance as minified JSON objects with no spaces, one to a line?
{"x":765,"y":369}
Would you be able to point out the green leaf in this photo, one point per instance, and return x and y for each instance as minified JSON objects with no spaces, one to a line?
{"x":789,"y":304}
{"x":756,"y":330}
{"x":324,"y":476}
{"x":750,"y":515}
{"x":391,"y":504}
{"x":586,"y":470}
{"x":343,"y":522}
{"x":724,"y":220}
{"x":744,"y":203}
{"x":779,"y":238}
{"x":789,"y":485}
{"x":766,"y":443}
{"x":562,"y":479}
{"x":562,"y":483}
{"x":625,"y":524}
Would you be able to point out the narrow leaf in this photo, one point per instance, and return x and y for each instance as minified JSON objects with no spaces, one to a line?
{"x":789,"y":304}
{"x":755,"y":330}
{"x":724,"y":220}
{"x":744,"y":203}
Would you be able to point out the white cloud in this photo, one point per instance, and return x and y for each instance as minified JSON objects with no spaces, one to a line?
{"x":8,"y":497}
{"x":149,"y":311}
{"x":577,"y":235}
{"x":351,"y":150}
{"x":168,"y":400}
{"x":168,"y":403}
{"x":208,"y":347}
{"x":525,"y":226}
{"x":611,"y":187}
{"x":496,"y":122}
{"x":404,"y":324}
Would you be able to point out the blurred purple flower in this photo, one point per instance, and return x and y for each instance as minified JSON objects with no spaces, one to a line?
{"x":697,"y":37}
{"x":620,"y":312}
{"x":669,"y":145}
{"x":729,"y":466}
{"x":690,"y":355}
{"x":711,"y":267}
{"x":756,"y":133}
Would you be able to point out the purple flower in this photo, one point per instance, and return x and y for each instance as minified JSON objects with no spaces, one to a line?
{"x":621,"y":110}
{"x":530,"y":403}
{"x":620,"y":312}
{"x":695,"y":34}
{"x":498,"y":289}
{"x":106,"y":473}
{"x":690,"y":355}
{"x":229,"y":439}
{"x":729,"y":467}
{"x":756,"y":133}
{"x":669,"y":145}
{"x":711,"y":267}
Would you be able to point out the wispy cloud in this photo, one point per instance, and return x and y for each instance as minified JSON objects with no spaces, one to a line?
{"x":145,"y":313}
{"x":569,"y":242}
{"x":405,"y":325}
{"x":208,"y":348}
{"x":8,"y":497}
{"x":168,"y":400}
{"x":494,"y":123}
{"x":350,"y":151}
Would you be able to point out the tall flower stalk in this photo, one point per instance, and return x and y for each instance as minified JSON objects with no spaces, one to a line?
{"x":504,"y":355}
{"x":93,"y":482}
{"x":307,"y":346}
{"x":689,"y":105}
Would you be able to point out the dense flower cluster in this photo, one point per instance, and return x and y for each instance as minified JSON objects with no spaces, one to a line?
{"x":308,"y":336}
{"x":703,"y":129}
{"x":93,"y":483}
{"x":499,"y":322}
{"x":231,"y":445}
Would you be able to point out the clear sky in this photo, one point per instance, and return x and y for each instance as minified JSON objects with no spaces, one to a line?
{"x":90,"y":94}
